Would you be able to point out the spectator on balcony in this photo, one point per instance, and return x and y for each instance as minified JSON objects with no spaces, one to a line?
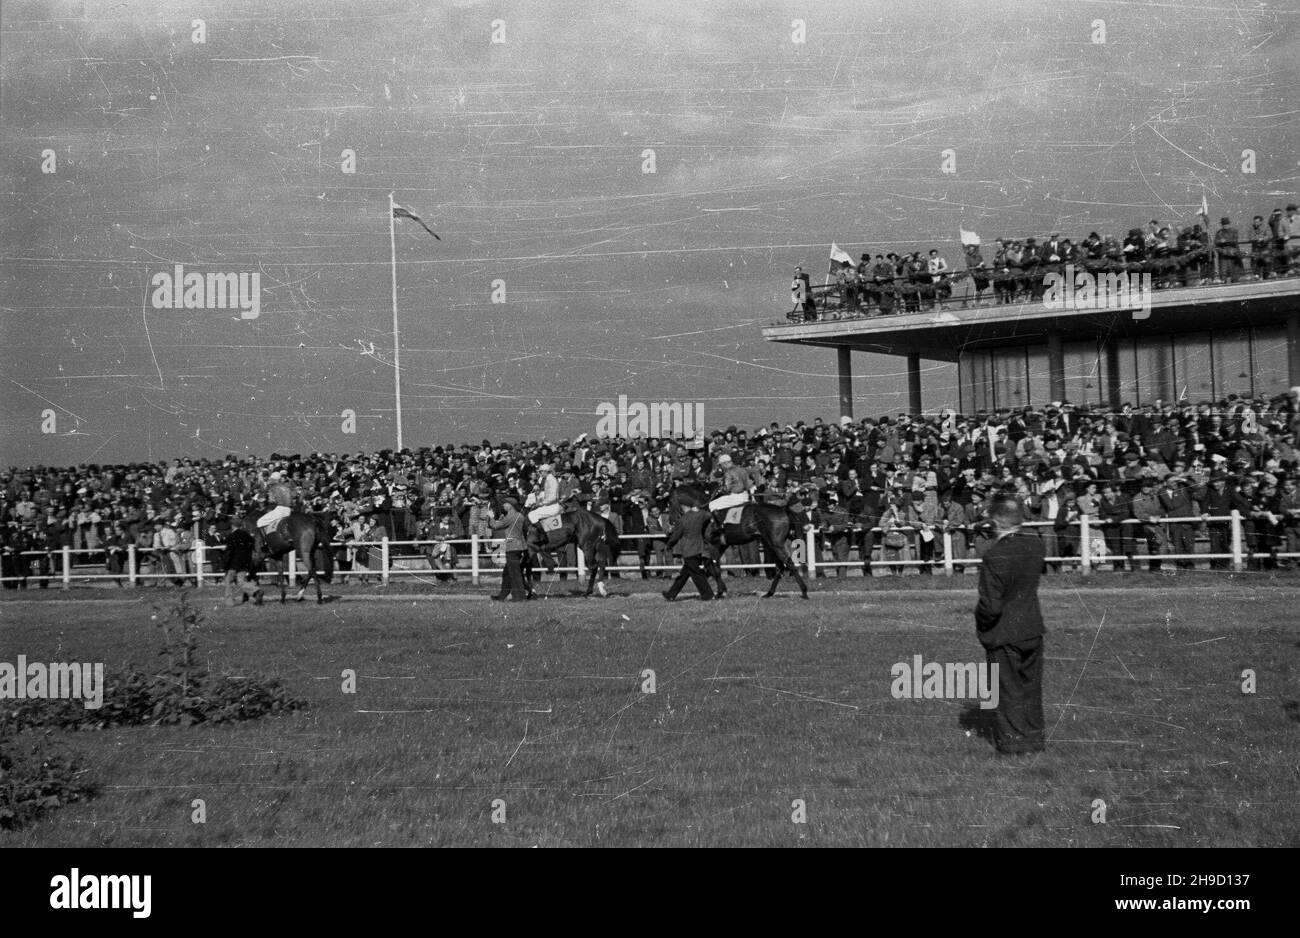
{"x":846,"y":282}
{"x":882,"y":280}
{"x":1228,"y":251}
{"x":1261,"y":248}
{"x":1277,"y":226}
{"x":1137,"y":245}
{"x":802,"y":294}
{"x":1292,"y":231}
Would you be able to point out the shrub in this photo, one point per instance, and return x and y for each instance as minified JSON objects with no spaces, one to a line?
{"x":36,"y":777}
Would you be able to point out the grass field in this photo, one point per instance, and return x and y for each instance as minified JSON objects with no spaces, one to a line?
{"x":460,"y":702}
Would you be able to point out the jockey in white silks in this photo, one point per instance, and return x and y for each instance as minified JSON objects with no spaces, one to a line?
{"x":737,"y":481}
{"x":549,"y":504}
{"x":280,"y":492}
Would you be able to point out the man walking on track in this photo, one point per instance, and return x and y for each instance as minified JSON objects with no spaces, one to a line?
{"x":238,"y":563}
{"x":513,"y":587}
{"x":689,"y":533}
{"x":1009,"y":622}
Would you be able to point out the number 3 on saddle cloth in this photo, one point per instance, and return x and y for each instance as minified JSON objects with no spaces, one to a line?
{"x":553,"y":523}
{"x":277,"y":537}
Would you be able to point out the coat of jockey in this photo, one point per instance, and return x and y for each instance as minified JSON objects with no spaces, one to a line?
{"x":281,"y":493}
{"x":737,"y":481}
{"x":549,"y":503}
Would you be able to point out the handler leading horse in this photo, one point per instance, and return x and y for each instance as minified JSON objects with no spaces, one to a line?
{"x":770,"y":525}
{"x":302,"y":534}
{"x":595,"y":536}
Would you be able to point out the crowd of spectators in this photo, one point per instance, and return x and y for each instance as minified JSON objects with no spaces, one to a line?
{"x":1017,"y":270}
{"x":893,"y":483}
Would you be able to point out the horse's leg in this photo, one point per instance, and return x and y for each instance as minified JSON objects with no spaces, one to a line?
{"x":309,"y":563}
{"x":780,"y":559}
{"x":789,"y":564}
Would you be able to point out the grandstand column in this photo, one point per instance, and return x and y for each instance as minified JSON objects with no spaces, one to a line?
{"x":846,"y":381}
{"x":1055,"y":366}
{"x":1293,"y":347}
{"x":914,"y":384}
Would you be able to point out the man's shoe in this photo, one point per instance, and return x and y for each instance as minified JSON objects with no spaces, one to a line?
{"x":668,"y":596}
{"x":497,"y":598}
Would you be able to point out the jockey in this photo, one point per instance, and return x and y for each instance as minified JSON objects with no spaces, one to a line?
{"x":548,"y":504}
{"x":736,"y":480}
{"x":280,"y":492}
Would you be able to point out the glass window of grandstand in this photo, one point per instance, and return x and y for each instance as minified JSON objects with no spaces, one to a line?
{"x":1192,"y":367}
{"x":1269,"y":361}
{"x":1232,"y":368}
{"x":1155,"y":369}
{"x":1040,"y":378}
{"x":1010,"y":379}
{"x":976,"y":382}
{"x":1085,"y":373}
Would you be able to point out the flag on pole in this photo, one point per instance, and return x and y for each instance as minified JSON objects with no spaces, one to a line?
{"x":1205,"y":207}
{"x":968,"y":237}
{"x":399,"y":212}
{"x":839,"y":255}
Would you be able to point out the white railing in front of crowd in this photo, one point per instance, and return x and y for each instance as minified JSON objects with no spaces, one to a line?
{"x":951,"y":546}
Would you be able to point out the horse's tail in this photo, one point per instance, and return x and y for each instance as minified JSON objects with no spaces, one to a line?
{"x":613,"y":543}
{"x":326,"y":557}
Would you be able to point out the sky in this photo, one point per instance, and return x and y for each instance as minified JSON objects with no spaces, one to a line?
{"x":528,"y":158}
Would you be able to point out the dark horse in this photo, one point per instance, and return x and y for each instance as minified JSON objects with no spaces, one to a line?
{"x":770,"y":525}
{"x":595,"y":536}
{"x":302,"y":534}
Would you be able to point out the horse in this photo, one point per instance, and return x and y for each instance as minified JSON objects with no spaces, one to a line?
{"x":770,"y":525}
{"x":306,"y":536}
{"x":594,"y":535}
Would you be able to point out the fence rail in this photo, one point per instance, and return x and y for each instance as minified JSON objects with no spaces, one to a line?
{"x":198,"y":567}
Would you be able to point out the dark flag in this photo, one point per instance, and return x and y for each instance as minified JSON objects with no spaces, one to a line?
{"x":399,"y":212}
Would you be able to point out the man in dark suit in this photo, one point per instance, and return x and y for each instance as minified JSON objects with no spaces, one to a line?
{"x":689,"y":534}
{"x":1010,"y":627}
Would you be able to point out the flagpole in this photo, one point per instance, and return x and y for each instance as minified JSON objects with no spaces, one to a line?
{"x":397,"y":350}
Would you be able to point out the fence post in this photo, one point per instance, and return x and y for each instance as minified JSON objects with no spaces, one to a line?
{"x":200,"y":555}
{"x":947,"y":552}
{"x":67,"y":566}
{"x":383,"y":560}
{"x":1086,"y":545}
{"x":582,"y":564}
{"x":1237,"y":558}
{"x":811,"y":550}
{"x":132,"y":566}
{"x":473,"y":559}
{"x":292,"y":564}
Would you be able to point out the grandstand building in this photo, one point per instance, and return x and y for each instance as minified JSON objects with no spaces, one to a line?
{"x":1198,"y":343}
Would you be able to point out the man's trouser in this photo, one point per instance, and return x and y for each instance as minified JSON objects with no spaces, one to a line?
{"x":512,"y":579}
{"x":1019,"y":715}
{"x":692,"y":569}
{"x":546,"y":511}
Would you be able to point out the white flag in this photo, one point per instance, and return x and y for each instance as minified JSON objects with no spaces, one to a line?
{"x":968,"y":237}
{"x":839,"y":255}
{"x":1205,"y":208}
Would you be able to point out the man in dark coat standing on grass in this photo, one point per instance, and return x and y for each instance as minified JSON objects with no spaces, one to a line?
{"x":689,"y":534}
{"x":1010,"y":627}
